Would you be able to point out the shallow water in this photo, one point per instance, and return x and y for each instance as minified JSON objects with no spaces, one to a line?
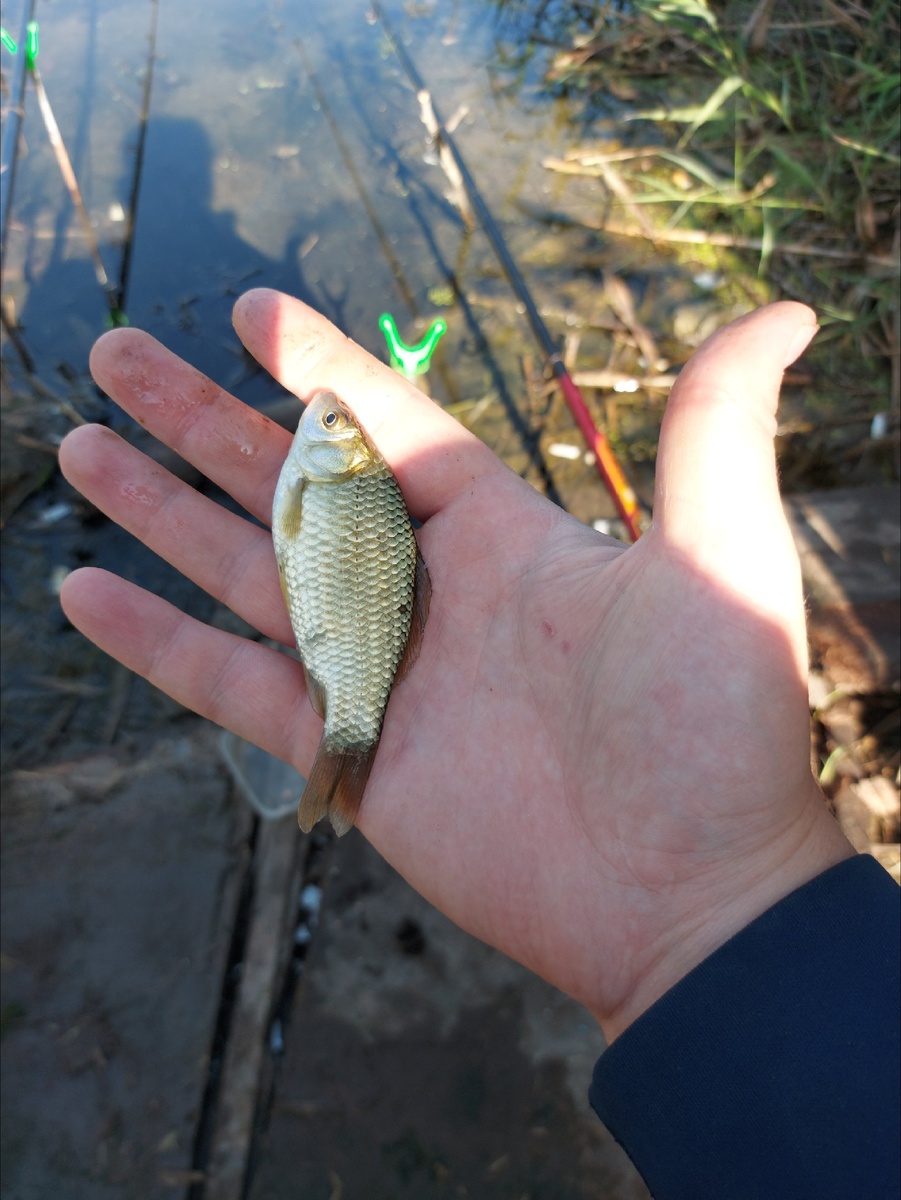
{"x":283,"y":148}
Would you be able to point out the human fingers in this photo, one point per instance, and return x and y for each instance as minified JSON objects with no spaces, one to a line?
{"x":233,"y":445}
{"x":250,"y":689}
{"x":717,"y":495}
{"x":433,"y":456}
{"x":222,"y":553}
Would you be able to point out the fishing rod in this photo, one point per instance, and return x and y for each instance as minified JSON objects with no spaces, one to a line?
{"x":409,"y":360}
{"x":132,"y":210}
{"x":526,"y":434}
{"x":30,"y":52}
{"x":611,"y":473}
{"x":9,"y":149}
{"x":378,"y":228}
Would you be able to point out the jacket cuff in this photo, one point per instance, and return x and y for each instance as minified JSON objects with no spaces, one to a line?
{"x":772,"y":1069}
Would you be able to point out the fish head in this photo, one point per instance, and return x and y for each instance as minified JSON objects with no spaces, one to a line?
{"x":330,"y":446}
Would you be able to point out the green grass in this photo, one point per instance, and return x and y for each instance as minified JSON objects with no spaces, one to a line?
{"x":778,"y":129}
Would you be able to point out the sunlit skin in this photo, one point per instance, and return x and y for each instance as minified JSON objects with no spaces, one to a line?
{"x":600,"y":761}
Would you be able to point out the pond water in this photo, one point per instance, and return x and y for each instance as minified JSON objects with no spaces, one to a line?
{"x":283,"y":147}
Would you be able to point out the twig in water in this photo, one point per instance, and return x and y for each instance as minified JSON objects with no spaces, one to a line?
{"x":65,"y":166}
{"x":621,"y":190}
{"x":735,"y":241}
{"x":458,"y":197}
{"x":11,"y":326}
{"x":620,"y":300}
{"x":618,"y":381}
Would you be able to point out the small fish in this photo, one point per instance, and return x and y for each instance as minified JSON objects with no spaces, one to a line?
{"x":357,"y":593}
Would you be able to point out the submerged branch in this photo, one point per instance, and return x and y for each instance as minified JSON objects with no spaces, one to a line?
{"x":889,"y":263}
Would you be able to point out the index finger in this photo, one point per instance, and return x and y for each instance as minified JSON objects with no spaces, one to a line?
{"x":242,"y":451}
{"x":431,"y":453}
{"x":233,"y":445}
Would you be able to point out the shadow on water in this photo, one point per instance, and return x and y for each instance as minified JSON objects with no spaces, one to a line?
{"x":188,"y":265}
{"x":427,"y":207}
{"x":527,"y":434}
{"x":214,"y":190}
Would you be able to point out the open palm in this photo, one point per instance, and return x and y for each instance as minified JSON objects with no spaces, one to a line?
{"x":599,"y":762}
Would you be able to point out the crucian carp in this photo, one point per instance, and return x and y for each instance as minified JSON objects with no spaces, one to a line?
{"x":357,"y":593}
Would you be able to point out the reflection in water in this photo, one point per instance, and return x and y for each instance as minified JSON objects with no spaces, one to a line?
{"x":255,"y":175}
{"x":429,"y":210}
{"x":188,"y":264}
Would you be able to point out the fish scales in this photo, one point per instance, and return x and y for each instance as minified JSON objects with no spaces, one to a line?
{"x":357,"y":593}
{"x":350,"y":581}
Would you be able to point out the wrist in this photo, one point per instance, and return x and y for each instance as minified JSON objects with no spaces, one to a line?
{"x":714,"y":907}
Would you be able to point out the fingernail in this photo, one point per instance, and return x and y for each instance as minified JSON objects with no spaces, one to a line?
{"x":799,"y":343}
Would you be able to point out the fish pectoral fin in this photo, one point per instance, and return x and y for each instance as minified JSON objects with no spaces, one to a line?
{"x":315,"y":691}
{"x":422,"y":595}
{"x":293,"y":513}
{"x":335,"y":787}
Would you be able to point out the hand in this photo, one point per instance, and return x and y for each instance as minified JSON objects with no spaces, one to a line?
{"x":600,"y":762}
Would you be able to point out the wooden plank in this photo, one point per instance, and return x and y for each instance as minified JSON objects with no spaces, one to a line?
{"x":277,"y":875}
{"x":121,"y":880}
{"x":849,"y":542}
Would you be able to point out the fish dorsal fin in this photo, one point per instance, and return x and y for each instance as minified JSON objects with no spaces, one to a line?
{"x":422,"y":595}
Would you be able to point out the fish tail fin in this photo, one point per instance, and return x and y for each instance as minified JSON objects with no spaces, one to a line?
{"x":335,"y":787}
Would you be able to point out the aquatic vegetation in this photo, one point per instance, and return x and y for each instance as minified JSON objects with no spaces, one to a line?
{"x":766,"y":137}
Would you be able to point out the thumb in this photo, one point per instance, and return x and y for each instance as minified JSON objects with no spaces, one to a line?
{"x":717,"y":495}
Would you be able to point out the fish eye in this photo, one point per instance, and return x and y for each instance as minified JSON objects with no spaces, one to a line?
{"x":330,"y":419}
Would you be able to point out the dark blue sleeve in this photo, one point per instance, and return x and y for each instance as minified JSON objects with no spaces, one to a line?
{"x":771,"y":1071}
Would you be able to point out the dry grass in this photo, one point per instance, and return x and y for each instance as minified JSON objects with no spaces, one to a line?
{"x":771,"y":130}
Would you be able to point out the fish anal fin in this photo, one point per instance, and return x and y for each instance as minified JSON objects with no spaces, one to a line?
{"x":422,"y":595}
{"x":335,"y":787}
